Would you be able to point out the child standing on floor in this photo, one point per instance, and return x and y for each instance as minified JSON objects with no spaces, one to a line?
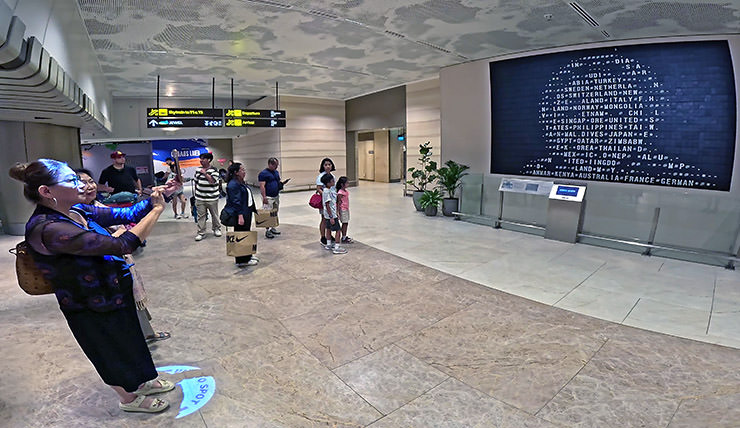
{"x":331,"y":217}
{"x":343,"y":205}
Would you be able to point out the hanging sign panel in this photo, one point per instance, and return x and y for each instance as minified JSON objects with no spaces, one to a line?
{"x":657,"y":114}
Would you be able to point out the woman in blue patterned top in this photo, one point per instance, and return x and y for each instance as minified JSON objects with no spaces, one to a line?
{"x":90,"y":279}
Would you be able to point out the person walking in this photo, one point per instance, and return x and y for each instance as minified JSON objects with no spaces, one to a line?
{"x":343,"y":207}
{"x":240,"y":203}
{"x":270,"y":187}
{"x":94,"y":289}
{"x":326,"y":167}
{"x":207,"y":184}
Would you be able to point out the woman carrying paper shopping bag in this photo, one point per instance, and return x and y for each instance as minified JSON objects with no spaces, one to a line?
{"x":240,"y":203}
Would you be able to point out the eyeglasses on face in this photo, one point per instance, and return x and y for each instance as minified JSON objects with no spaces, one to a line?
{"x":75,"y":181}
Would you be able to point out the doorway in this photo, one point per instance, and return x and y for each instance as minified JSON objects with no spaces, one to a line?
{"x":380,"y":155}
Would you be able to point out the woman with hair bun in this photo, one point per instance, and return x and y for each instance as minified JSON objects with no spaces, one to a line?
{"x":91,"y":281}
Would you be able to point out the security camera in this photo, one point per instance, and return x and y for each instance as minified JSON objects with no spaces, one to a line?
{"x":548,"y":16}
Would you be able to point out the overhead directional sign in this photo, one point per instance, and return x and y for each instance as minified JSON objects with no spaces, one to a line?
{"x":257,"y":123}
{"x":185,"y":112}
{"x":272,"y":114}
{"x":185,"y":123}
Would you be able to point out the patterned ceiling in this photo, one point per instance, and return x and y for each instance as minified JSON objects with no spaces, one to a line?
{"x":342,"y":49}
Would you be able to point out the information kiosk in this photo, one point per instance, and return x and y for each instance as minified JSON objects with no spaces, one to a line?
{"x":564,"y":212}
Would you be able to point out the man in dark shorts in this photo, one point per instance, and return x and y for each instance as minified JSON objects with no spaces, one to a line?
{"x":118,"y":177}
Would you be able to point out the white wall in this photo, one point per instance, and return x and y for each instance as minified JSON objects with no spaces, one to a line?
{"x":315,"y":130}
{"x":57,"y":24}
{"x":423,"y":120}
{"x":258,"y":144}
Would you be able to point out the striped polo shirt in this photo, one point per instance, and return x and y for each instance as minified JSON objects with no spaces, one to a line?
{"x":204,"y":190}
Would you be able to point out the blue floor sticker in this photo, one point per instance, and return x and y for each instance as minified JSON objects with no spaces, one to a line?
{"x":176,"y":369}
{"x":196,"y":392}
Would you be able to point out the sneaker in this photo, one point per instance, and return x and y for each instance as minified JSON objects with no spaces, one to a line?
{"x":328,"y":247}
{"x":217,"y":233}
{"x":347,"y":240}
{"x":274,"y":231}
{"x":323,"y":240}
{"x":199,"y":237}
{"x":184,"y":215}
{"x":178,"y":216}
{"x":339,"y":250}
{"x":269,"y":234}
{"x":255,"y":258}
{"x":251,"y":262}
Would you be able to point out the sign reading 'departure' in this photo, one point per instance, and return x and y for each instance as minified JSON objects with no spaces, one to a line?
{"x":658,"y":114}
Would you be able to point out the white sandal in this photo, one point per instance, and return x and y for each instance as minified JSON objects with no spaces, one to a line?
{"x":157,"y":405}
{"x":148,"y":388}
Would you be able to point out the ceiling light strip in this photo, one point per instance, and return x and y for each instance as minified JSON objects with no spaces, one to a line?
{"x":583,"y":14}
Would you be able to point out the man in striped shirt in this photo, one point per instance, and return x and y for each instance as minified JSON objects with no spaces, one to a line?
{"x":207,"y":181}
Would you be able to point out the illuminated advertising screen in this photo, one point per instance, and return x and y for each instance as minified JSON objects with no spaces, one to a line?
{"x":656,"y":114}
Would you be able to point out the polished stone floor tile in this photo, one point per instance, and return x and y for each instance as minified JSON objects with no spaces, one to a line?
{"x":454,"y":404}
{"x":389,"y":378}
{"x":488,"y":347}
{"x":284,"y":384}
{"x":722,"y":411}
{"x":672,"y":319}
{"x":609,"y":305}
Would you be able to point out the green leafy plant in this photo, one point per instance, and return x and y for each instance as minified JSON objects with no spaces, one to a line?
{"x":450,"y":177}
{"x":431,"y":198}
{"x":426,"y":173}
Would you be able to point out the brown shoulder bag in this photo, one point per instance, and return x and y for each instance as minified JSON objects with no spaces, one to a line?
{"x":30,"y":278}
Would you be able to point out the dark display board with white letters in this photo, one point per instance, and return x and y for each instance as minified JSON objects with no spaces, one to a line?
{"x":658,"y":114}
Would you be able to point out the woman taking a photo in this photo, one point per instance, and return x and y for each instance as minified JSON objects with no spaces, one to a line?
{"x":90,"y":280}
{"x":240,"y":204}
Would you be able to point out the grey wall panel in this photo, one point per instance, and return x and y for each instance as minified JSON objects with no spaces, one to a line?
{"x":385,"y":109}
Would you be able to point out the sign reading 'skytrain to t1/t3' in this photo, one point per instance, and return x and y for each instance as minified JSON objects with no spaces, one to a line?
{"x":184,"y":117}
{"x":212,"y":113}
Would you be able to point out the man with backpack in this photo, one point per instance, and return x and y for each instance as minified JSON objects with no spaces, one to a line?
{"x":270,"y":187}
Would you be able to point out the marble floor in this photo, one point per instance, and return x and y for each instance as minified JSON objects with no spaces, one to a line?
{"x":419,"y":325}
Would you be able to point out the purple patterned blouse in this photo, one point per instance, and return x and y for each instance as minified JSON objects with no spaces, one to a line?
{"x":84,"y":266}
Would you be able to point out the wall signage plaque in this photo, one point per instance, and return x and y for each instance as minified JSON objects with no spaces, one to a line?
{"x":657,"y":114}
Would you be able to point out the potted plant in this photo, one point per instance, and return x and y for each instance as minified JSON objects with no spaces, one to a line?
{"x":430,"y":200}
{"x":424,"y":175}
{"x":450,"y":177}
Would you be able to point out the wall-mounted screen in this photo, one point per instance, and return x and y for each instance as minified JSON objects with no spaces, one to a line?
{"x":658,"y":114}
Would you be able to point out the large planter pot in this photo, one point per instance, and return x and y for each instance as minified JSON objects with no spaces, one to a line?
{"x":449,"y":205}
{"x":417,"y":197}
{"x":430,"y":210}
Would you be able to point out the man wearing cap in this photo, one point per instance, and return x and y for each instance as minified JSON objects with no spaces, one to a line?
{"x":118,"y":177}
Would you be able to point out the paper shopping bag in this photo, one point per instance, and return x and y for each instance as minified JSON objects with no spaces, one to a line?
{"x":266,"y":218}
{"x":240,"y":244}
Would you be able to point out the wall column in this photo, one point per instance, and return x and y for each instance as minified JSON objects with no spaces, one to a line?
{"x":24,"y":142}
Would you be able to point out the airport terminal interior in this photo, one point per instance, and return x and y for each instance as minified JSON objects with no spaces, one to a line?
{"x":545,"y":213}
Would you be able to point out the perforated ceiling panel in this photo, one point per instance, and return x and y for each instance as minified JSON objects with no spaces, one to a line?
{"x":342,"y":49}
